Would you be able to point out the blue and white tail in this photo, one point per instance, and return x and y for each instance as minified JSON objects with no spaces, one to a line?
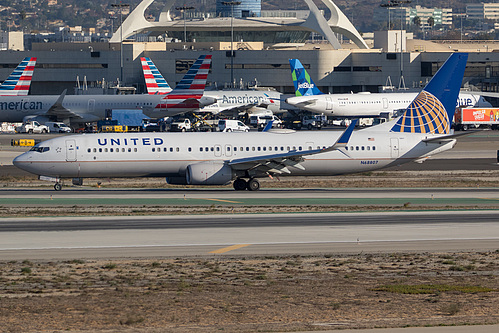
{"x":155,"y":82}
{"x":433,"y":109}
{"x":19,"y":81}
{"x":304,"y":85}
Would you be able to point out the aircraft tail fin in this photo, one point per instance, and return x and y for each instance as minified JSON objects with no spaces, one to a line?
{"x":189,"y":91}
{"x":304,"y":85}
{"x":433,"y":109}
{"x":19,"y":81}
{"x":155,"y":82}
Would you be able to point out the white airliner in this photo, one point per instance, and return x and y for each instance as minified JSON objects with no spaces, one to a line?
{"x":310,"y":98}
{"x":187,"y":96}
{"x":19,"y":81}
{"x":219,"y":158}
{"x":227,"y":101}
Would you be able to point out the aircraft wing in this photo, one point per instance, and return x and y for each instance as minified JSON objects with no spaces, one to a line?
{"x":236,"y":108}
{"x":60,"y":111}
{"x":308,"y":102}
{"x":280,"y":163}
{"x":449,"y":137}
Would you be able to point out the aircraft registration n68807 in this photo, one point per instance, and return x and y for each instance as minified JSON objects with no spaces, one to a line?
{"x":220,"y":158}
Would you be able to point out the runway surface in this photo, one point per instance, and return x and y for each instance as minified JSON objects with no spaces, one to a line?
{"x":270,"y":234}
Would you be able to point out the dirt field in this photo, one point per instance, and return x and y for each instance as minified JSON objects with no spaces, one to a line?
{"x":250,"y":294}
{"x":254,"y":294}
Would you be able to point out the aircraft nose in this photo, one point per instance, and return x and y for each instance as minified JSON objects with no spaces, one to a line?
{"x":20,"y":161}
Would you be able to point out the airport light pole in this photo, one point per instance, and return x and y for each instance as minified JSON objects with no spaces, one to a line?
{"x":231,"y":4}
{"x":395,"y":3}
{"x":121,"y":6}
{"x":183,"y":9}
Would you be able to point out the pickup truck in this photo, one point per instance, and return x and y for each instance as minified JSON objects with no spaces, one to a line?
{"x":181,"y":125}
{"x":32,"y":127}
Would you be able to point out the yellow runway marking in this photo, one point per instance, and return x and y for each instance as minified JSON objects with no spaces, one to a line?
{"x":230,"y":248}
{"x":222,"y":200}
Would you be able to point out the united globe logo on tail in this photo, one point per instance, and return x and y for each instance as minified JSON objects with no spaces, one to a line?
{"x":433,"y":109}
{"x":425,"y":114}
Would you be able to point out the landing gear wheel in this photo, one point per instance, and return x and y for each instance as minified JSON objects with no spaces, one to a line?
{"x":253,"y":184}
{"x":57,"y":186}
{"x":240,"y":184}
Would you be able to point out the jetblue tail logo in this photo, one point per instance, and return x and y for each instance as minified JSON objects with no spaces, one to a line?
{"x":304,"y":85}
{"x":433,"y":109}
{"x":155,"y":82}
{"x":425,"y":114}
{"x":19,"y":81}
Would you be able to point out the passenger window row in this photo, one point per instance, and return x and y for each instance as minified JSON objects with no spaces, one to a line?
{"x":360,"y":148}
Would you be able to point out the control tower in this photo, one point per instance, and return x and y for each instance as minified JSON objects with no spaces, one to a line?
{"x":247,"y":8}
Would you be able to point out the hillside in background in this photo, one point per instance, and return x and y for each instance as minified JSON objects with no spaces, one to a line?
{"x":37,"y":15}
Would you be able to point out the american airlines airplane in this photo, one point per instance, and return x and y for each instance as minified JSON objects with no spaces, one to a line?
{"x":187,"y":96}
{"x":310,"y":98}
{"x":227,"y":101}
{"x":19,"y":81}
{"x":219,"y":158}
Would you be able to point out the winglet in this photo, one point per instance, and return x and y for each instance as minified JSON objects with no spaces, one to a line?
{"x":268,"y":126}
{"x":60,"y":98}
{"x":304,"y":85}
{"x":343,"y":139}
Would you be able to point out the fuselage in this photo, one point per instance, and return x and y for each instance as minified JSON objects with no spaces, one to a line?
{"x":235,"y":98}
{"x":367,"y":104}
{"x":88,"y":107}
{"x":169,"y":154}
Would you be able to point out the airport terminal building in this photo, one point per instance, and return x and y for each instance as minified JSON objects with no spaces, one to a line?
{"x":340,"y":61}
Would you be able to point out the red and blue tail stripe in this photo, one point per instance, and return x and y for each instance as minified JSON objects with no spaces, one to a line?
{"x":190,"y":89}
{"x":19,"y":81}
{"x":155,"y":82}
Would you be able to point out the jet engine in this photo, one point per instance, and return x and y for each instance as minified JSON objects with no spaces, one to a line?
{"x":208,"y":173}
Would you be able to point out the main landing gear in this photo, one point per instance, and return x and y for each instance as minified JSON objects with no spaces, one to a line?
{"x":58,"y":186}
{"x":251,"y":185}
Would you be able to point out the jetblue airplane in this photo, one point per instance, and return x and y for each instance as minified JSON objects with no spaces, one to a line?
{"x":310,"y":98}
{"x":227,"y":101}
{"x":220,"y":158}
{"x":19,"y":81}
{"x":187,"y":96}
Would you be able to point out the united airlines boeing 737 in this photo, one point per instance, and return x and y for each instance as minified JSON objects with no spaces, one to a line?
{"x":220,"y":158}
{"x":19,"y":81}
{"x":187,"y":96}
{"x":310,"y":98}
{"x":227,"y":101}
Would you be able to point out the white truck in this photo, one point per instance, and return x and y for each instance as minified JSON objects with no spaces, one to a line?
{"x":312,"y":122}
{"x":181,"y":125}
{"x":32,"y":126}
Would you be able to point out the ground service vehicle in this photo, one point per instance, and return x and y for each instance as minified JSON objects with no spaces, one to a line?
{"x":181,"y":125}
{"x":55,"y":127}
{"x":312,"y":122}
{"x":230,"y":125}
{"x":32,"y":127}
{"x":469,"y":118}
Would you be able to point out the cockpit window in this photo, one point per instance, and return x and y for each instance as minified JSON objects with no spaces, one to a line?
{"x":40,"y":149}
